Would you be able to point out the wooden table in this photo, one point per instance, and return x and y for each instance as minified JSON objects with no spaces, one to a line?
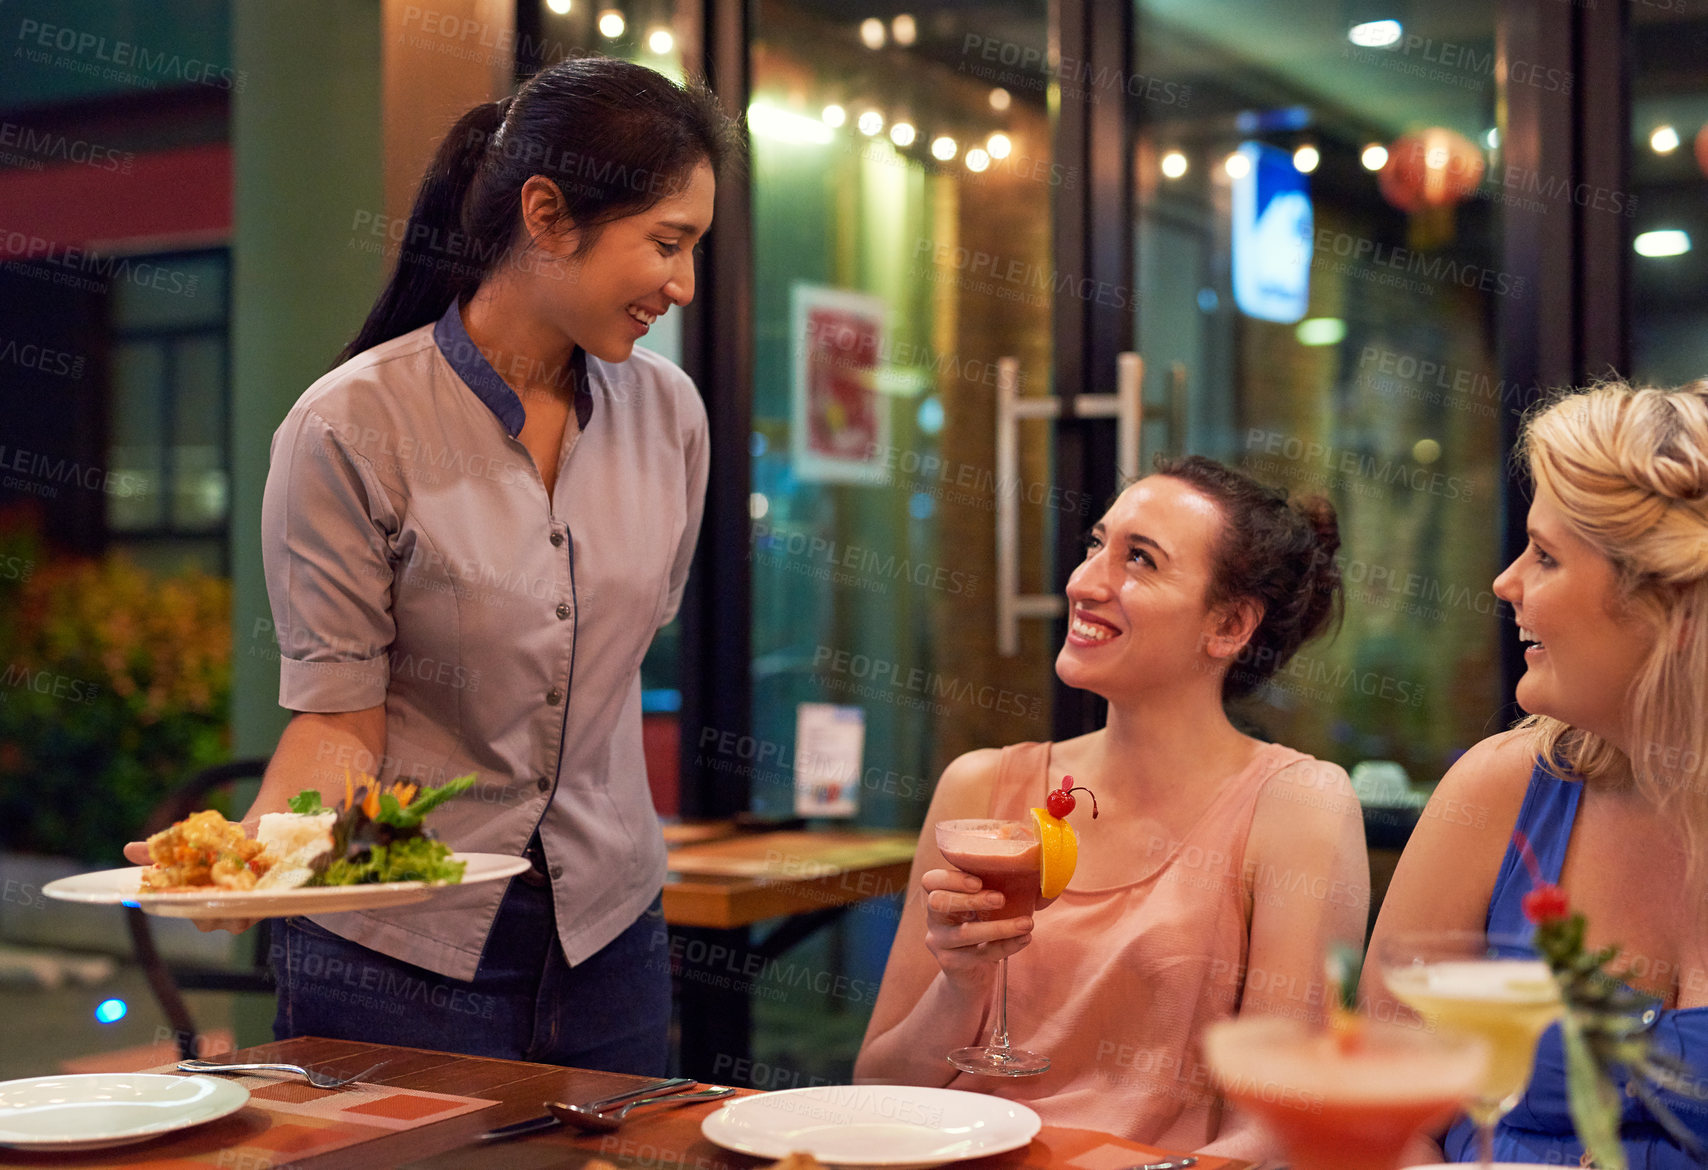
{"x":727,"y":880}
{"x":651,"y":1140}
{"x":722,"y":882}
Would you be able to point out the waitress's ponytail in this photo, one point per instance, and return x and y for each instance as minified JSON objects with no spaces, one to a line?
{"x":615,"y":137}
{"x":436,"y":260}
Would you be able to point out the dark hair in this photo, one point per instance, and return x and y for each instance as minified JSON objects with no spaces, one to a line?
{"x":1273,"y":551}
{"x":615,"y":137}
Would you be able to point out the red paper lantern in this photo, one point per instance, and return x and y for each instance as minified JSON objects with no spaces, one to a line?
{"x":1702,"y":148}
{"x":1436,"y":167}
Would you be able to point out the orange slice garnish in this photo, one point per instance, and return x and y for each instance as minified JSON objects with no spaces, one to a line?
{"x":1058,"y":852}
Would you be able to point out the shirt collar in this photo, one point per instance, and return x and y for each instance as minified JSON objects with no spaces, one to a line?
{"x":473,"y":368}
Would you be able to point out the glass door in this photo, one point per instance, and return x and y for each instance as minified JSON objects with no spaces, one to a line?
{"x":902,"y":209}
{"x":1318,"y":256}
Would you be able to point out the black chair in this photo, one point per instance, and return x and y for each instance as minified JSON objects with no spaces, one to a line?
{"x":167,"y":983}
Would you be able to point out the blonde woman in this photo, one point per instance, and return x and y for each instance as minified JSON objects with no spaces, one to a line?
{"x":1608,"y":776}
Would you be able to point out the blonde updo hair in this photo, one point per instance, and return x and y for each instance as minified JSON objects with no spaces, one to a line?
{"x":1629,"y":468}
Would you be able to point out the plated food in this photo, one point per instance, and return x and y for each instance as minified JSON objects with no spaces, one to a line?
{"x":377,"y":836}
{"x":370,"y":853}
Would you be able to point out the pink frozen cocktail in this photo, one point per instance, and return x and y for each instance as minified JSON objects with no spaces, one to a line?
{"x":1007,"y":858}
{"x":1004,"y":855}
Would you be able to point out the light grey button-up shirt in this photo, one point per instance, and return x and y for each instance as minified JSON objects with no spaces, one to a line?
{"x":412,"y":558}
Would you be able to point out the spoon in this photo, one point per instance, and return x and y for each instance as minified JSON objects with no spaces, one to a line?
{"x":594,"y":1121}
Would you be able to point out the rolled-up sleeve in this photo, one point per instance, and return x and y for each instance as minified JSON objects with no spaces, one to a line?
{"x":324,"y":520}
{"x":697,"y":456}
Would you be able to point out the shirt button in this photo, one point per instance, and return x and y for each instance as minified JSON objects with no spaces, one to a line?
{"x":557,"y":539}
{"x":556,"y":872}
{"x":563,"y":610}
{"x":554,"y":696}
{"x":543,"y":784}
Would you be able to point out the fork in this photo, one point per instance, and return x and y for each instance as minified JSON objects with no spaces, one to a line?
{"x":319,"y":1080}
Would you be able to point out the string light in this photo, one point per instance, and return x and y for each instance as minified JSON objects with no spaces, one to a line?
{"x":612,"y":24}
{"x":1173,"y":165}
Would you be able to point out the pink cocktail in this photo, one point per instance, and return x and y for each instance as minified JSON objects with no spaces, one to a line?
{"x":1008,"y":865}
{"x":1343,"y":1103}
{"x":1006,"y":857}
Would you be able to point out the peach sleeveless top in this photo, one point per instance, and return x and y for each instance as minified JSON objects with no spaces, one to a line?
{"x":1120,"y":982}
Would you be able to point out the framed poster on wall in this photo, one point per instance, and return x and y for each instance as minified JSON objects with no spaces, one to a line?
{"x":840,"y":424}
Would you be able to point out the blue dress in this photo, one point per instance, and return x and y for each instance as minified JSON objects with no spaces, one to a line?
{"x":1540,"y":1129}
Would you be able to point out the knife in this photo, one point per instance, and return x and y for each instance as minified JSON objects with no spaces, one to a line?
{"x":547,"y":1121}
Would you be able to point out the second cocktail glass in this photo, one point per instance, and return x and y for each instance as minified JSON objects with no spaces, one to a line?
{"x":1006,"y":857}
{"x":1481,"y":986}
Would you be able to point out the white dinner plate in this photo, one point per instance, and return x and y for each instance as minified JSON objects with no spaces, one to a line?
{"x":122,"y":887}
{"x":896,"y":1126}
{"x":93,"y":1110}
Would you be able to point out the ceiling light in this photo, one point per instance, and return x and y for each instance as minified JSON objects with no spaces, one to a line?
{"x":1173,"y":164}
{"x":1306,"y":158}
{"x":999,"y":145}
{"x":1000,"y":99}
{"x":943,"y":148}
{"x":660,"y":41}
{"x":1666,"y":242}
{"x":1376,"y":34}
{"x":786,"y":126}
{"x":904,"y":30}
{"x":1320,"y":331}
{"x":872,"y":33}
{"x":834,"y":115}
{"x":903,"y":134}
{"x":1664,"y":140}
{"x":870,"y":123}
{"x":1237,"y":165}
{"x":559,"y":7}
{"x":612,"y":24}
{"x":977,"y":160}
{"x":1375,"y":157}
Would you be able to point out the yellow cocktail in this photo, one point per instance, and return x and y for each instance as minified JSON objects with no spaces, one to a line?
{"x":1459,"y":983}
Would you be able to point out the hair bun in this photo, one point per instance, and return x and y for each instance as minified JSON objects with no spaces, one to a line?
{"x":1320,"y":515}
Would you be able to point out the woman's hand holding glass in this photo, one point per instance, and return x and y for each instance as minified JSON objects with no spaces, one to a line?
{"x":965,"y":946}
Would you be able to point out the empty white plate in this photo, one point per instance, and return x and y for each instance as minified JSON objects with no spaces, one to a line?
{"x":92,"y":1110}
{"x":895,"y":1126}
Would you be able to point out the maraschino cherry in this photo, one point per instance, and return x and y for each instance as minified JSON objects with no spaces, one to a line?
{"x":1060,"y":802}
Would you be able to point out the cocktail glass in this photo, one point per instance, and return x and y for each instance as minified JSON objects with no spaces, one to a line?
{"x":1006,"y":857}
{"x":1474,"y":984}
{"x":1343,"y":1102}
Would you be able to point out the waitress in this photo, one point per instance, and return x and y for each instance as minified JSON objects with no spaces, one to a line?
{"x":473,"y":527}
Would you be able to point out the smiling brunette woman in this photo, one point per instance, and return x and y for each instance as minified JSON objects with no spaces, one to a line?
{"x":1221,"y":867}
{"x":472,"y":529}
{"x":1608,"y":776}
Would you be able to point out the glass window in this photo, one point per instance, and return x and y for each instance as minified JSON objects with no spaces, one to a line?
{"x":169,"y":444}
{"x":1668,"y":209}
{"x":138,"y":437}
{"x":1320,"y":200}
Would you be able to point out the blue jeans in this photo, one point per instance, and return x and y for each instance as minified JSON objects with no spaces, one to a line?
{"x":525,"y":1002}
